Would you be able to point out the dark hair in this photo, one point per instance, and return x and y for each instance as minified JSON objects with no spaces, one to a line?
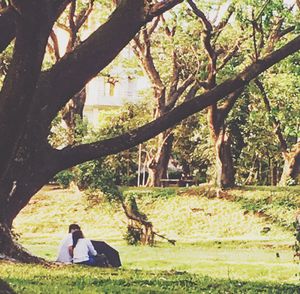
{"x":76,"y":236}
{"x":73,"y":227}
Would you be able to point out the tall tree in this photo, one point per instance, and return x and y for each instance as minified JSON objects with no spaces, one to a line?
{"x":290,"y":154}
{"x":166,"y":90}
{"x":31,"y":98}
{"x":263,"y":36}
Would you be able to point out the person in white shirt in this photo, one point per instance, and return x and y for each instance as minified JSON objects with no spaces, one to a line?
{"x":64,"y":255}
{"x":82,"y":249}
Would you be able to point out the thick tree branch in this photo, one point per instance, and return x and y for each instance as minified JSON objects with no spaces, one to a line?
{"x":73,"y":71}
{"x":60,"y":6}
{"x":32,"y":33}
{"x":161,"y":7}
{"x":74,"y":155}
{"x":7,"y":27}
{"x":8,"y":19}
{"x":224,"y":110}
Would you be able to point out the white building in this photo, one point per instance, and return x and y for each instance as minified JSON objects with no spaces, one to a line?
{"x":111,"y":91}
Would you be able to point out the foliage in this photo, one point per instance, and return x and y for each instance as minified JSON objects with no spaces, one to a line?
{"x":278,"y":205}
{"x":150,"y":194}
{"x":296,"y":246}
{"x":64,"y":178}
{"x":114,"y":169}
{"x":133,"y":235}
{"x":248,"y":123}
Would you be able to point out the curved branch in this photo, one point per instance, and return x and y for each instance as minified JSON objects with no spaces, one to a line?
{"x":71,"y":156}
{"x":161,"y":7}
{"x":201,"y":15}
{"x":207,"y":38}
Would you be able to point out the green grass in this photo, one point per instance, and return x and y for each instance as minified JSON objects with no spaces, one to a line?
{"x":76,"y":279}
{"x":220,"y":248}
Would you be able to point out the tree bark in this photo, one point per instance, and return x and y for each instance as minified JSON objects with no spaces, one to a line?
{"x":72,"y":112}
{"x":26,"y":175}
{"x":274,"y":174}
{"x":11,"y":250}
{"x":291,"y":167}
{"x":7,"y":26}
{"x":158,"y":166}
{"x":224,"y":162}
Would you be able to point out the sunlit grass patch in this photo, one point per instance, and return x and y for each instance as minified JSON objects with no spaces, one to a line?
{"x":215,"y":237}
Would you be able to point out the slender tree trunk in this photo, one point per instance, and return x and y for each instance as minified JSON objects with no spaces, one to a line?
{"x":158,"y":166}
{"x":224,"y":163}
{"x":291,"y":167}
{"x":72,"y":111}
{"x":252,"y":176}
{"x":274,"y":176}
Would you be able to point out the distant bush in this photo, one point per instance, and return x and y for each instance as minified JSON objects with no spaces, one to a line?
{"x":133,"y":235}
{"x":153,"y":193}
{"x":64,"y":178}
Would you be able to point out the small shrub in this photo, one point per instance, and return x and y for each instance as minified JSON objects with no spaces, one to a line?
{"x":64,"y":178}
{"x":133,"y":235}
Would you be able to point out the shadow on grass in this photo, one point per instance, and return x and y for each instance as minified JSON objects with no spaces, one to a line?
{"x":5,"y":288}
{"x":144,"y":282}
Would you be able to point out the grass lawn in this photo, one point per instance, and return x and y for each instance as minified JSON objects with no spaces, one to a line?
{"x":80,"y":279}
{"x":220,"y":248}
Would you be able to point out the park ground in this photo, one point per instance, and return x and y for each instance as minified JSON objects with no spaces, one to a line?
{"x":237,"y":242}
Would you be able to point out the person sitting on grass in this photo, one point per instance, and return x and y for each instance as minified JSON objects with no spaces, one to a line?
{"x":102,"y":249}
{"x":82,"y":250}
{"x":63,"y":253}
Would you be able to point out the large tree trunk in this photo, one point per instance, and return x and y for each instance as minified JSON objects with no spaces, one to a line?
{"x":31,"y":167}
{"x":224,"y":162}
{"x":11,"y":250}
{"x":222,"y":145}
{"x":291,"y":167}
{"x":158,"y":166}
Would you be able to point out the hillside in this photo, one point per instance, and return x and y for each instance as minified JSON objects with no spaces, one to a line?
{"x":186,"y":215}
{"x":211,"y":232}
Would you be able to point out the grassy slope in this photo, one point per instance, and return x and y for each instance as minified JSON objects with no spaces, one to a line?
{"x":215,"y":237}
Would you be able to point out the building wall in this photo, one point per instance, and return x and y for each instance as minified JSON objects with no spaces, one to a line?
{"x":111,"y":91}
